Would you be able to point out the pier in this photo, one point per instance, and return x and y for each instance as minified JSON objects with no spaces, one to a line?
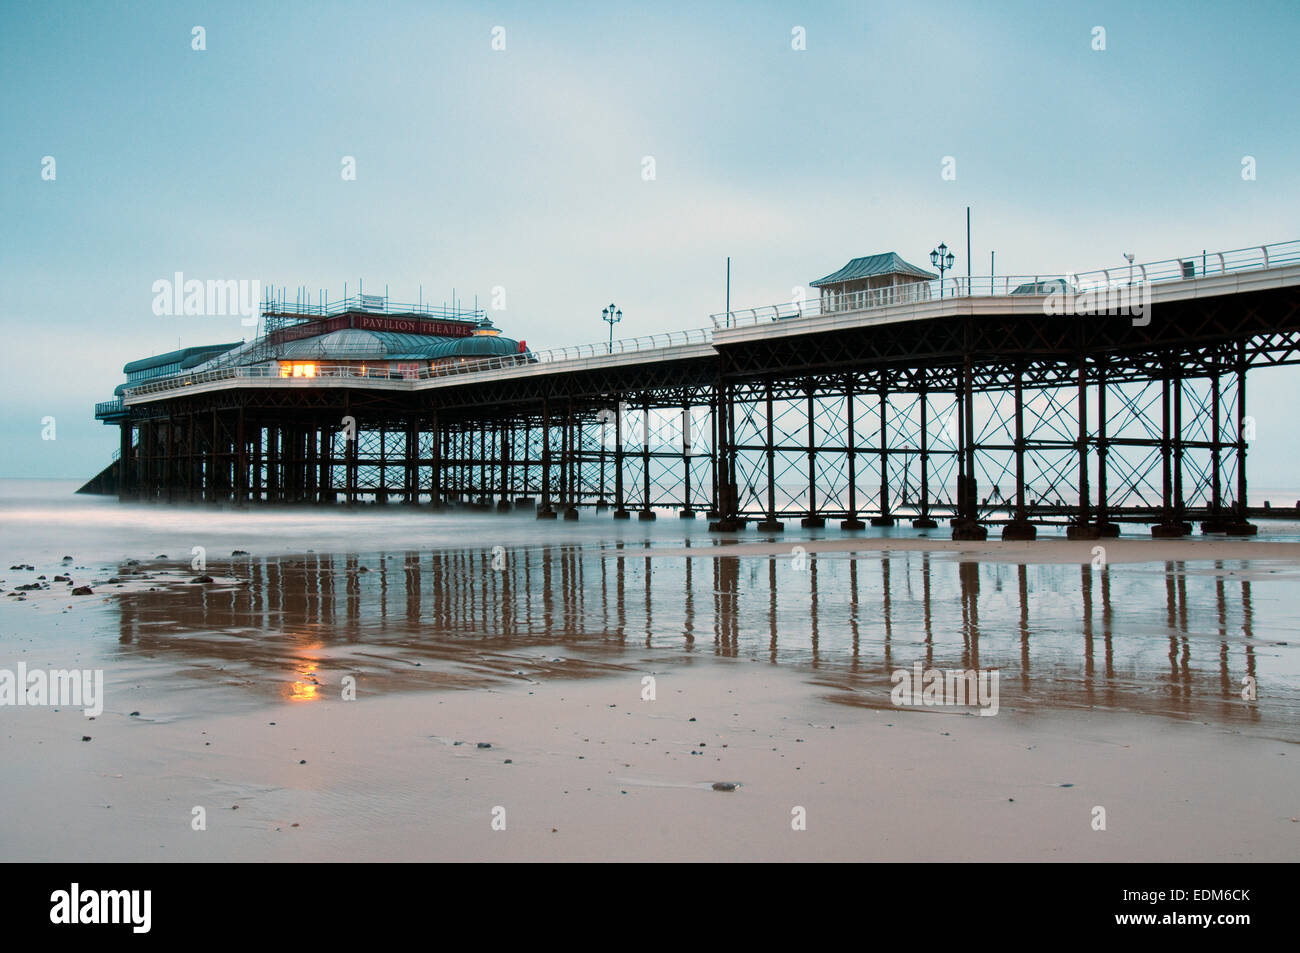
{"x":1087,"y":401}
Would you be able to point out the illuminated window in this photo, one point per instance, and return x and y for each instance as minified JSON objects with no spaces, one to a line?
{"x":297,"y":370}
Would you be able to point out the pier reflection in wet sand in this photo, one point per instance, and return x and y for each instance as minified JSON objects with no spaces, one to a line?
{"x":1177,"y":638}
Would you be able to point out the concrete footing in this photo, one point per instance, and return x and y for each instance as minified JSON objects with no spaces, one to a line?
{"x":966,"y":530}
{"x":1019,"y":530}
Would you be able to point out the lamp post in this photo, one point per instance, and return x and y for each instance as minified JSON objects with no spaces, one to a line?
{"x":1129,"y":256}
{"x":942,"y":259}
{"x":611,"y":317}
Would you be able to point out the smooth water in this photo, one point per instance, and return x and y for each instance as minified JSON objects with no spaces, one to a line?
{"x":411,"y":599}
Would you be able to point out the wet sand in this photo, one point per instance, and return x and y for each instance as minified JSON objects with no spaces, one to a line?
{"x":1120,"y":689}
{"x":587,"y":770}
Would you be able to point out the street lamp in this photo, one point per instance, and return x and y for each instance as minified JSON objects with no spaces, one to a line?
{"x":611,"y":317}
{"x":942,"y":259}
{"x":1129,"y":256}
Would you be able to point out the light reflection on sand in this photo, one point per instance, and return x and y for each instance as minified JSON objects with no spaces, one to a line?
{"x":1169,"y":637}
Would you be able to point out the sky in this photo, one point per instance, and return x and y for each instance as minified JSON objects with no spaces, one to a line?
{"x":523,"y":168}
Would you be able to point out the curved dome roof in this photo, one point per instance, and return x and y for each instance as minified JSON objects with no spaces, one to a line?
{"x":478,"y":345}
{"x":354,"y":344}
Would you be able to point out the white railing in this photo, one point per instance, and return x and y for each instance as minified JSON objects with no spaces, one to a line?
{"x":1203,"y":264}
{"x":1253,"y":258}
{"x":424,"y":371}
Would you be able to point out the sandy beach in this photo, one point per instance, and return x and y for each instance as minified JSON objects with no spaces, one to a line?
{"x":1120,"y":692}
{"x":586,"y":770}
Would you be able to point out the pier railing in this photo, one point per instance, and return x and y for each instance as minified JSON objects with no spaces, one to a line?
{"x":1252,"y":258}
{"x":1199,"y":265}
{"x":652,"y":342}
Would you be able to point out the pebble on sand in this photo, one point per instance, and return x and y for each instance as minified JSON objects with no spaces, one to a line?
{"x":724,"y":785}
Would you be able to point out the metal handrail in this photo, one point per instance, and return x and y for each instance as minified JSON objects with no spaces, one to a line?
{"x":1255,"y":257}
{"x":427,"y":372}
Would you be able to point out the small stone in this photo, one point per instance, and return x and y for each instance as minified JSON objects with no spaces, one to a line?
{"x":83,"y":591}
{"x":302,"y":762}
{"x":85,"y":737}
{"x":724,"y":785}
{"x":239,"y":552}
{"x":484,"y":744}
{"x":202,"y":579}
{"x":134,"y":714}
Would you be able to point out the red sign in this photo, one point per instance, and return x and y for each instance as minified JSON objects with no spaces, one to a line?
{"x":373,"y":322}
{"x":446,"y":329}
